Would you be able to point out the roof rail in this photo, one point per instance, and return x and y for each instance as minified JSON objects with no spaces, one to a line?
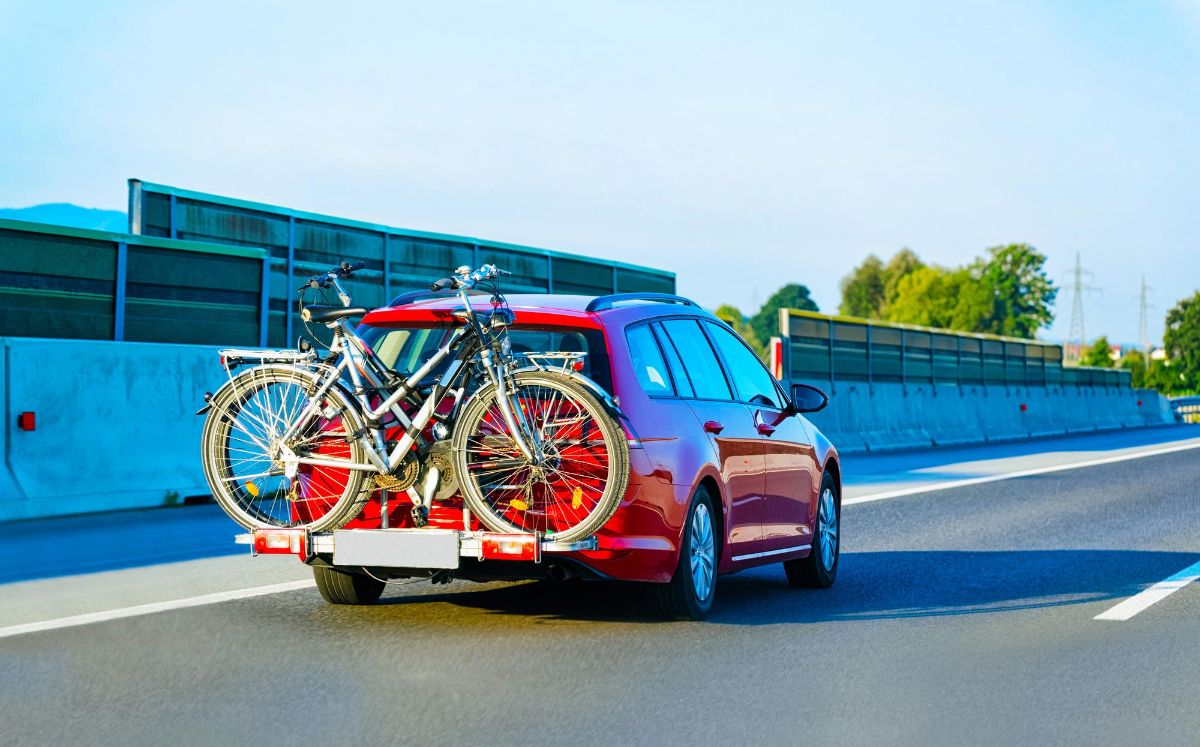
{"x":607,"y":302}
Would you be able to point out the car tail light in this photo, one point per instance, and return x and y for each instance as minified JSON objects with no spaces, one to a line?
{"x":281,"y":542}
{"x":512,"y":547}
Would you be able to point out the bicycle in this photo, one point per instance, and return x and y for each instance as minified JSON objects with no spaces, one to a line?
{"x":291,"y":440}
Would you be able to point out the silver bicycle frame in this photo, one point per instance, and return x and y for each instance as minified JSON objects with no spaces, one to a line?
{"x":360,"y":363}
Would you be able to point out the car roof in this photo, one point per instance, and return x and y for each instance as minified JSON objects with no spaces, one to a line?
{"x":551,"y":309}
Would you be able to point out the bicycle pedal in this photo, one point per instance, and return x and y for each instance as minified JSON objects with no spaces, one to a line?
{"x":420,"y":515}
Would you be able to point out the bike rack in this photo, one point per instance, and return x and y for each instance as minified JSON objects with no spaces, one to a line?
{"x":410,"y":544}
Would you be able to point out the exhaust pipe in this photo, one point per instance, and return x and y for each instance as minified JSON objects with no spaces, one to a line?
{"x":559,"y":573}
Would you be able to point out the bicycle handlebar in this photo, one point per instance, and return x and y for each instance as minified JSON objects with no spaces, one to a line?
{"x":326,"y":279}
{"x":465,"y":278}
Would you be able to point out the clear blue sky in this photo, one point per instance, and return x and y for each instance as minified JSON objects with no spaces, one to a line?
{"x":742,"y":144}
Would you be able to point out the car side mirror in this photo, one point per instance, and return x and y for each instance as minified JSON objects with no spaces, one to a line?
{"x":807,"y":398}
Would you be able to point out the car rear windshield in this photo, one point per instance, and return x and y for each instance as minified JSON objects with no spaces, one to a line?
{"x":405,"y":349}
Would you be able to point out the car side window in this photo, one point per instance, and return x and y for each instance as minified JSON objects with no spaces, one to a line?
{"x":750,"y":378}
{"x":683,"y":384}
{"x":699,"y":358}
{"x":648,"y":362}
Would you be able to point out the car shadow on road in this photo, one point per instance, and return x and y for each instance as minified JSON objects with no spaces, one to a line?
{"x":870,"y":586}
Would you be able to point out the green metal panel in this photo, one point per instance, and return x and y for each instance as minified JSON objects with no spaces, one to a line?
{"x":416,"y":262}
{"x":577,"y":276}
{"x":630,"y":281}
{"x":849,"y":351}
{"x":945,"y":359}
{"x":886,"y":344}
{"x":68,"y":282}
{"x":855,"y":349}
{"x":522,"y":260}
{"x":809,"y":343}
{"x":972,"y":360}
{"x":56,"y":285}
{"x":198,"y":299}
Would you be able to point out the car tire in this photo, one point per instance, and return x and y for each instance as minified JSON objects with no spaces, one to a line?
{"x":342,"y":587}
{"x":690,"y":592}
{"x":819,"y":569}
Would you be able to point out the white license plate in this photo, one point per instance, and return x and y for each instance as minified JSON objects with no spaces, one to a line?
{"x":396,"y":548}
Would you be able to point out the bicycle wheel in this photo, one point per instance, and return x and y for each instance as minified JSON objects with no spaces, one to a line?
{"x":577,"y":485}
{"x":247,"y":462}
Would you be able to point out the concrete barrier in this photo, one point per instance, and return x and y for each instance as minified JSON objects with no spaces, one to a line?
{"x":885,"y":416}
{"x":115,"y":425}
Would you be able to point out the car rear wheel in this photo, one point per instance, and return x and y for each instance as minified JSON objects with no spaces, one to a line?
{"x":819,"y":569}
{"x":342,"y":587}
{"x":690,"y":592}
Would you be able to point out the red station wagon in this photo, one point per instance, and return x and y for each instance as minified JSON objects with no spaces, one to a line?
{"x":726,"y":472}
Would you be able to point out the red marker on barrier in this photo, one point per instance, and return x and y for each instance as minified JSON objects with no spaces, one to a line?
{"x":1024,"y":407}
{"x":27,"y":421}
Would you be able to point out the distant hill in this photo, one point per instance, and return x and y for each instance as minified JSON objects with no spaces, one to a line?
{"x":66,"y":214}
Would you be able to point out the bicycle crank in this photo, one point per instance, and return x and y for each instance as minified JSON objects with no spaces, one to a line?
{"x":403,"y":478}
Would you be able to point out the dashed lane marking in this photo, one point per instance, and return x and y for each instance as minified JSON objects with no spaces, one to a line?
{"x":1153,"y":595}
{"x":951,"y":484}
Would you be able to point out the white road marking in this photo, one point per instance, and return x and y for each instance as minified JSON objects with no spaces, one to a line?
{"x":1156,"y":593}
{"x":1153,"y":595}
{"x":149,"y":609}
{"x":950,"y":484}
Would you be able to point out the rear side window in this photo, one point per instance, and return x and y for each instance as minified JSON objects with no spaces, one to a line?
{"x":750,"y":378}
{"x":648,"y":362}
{"x":683,"y":384}
{"x":701,"y":363}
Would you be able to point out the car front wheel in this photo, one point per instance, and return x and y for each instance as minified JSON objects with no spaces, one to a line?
{"x":819,"y":569}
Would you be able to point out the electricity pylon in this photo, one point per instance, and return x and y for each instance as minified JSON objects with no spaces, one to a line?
{"x":1078,"y":334}
{"x":1144,"y":323}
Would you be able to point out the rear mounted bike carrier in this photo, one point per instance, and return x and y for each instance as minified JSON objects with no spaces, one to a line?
{"x":406,"y":548}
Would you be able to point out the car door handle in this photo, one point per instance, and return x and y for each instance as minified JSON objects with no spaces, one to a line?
{"x":765,"y":430}
{"x":713,"y":426}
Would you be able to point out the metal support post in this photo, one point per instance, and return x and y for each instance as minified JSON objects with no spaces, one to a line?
{"x":119,"y":299}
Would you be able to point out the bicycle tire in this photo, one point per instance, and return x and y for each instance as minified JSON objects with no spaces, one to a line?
{"x":482,"y":453}
{"x":318,"y":498}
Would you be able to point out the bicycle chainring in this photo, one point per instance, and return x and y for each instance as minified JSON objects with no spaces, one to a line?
{"x":403,"y":478}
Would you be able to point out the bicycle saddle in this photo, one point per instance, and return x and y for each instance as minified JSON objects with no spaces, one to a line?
{"x":330,"y":313}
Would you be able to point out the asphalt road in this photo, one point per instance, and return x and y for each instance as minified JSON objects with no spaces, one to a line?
{"x":960,"y":616}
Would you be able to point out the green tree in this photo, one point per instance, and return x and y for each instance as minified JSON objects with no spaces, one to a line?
{"x":1135,"y":363}
{"x":863,"y":290}
{"x":901,"y":265}
{"x":1099,"y":354}
{"x":1182,"y":341}
{"x":733,"y":316}
{"x":924,"y":296}
{"x":1164,"y":377}
{"x":936,"y":297}
{"x":1021,"y":293}
{"x":765,"y":323}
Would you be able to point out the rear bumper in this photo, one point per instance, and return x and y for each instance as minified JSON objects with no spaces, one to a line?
{"x":474,"y":554}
